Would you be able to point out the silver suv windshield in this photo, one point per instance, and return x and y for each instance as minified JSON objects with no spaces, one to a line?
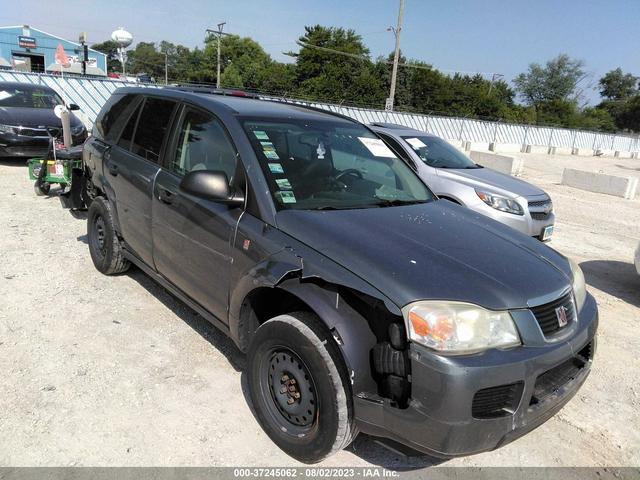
{"x":326,"y":165}
{"x":438,"y":153}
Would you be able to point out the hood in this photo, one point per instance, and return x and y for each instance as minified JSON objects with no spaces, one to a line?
{"x":496,"y":181}
{"x":436,"y":250}
{"x":33,"y":117}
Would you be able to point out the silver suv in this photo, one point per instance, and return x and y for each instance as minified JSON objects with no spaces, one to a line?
{"x":453,"y":176}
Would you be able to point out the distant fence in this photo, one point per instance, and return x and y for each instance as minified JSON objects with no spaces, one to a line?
{"x":90,"y":94}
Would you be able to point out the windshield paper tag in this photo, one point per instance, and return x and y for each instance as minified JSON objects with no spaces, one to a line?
{"x":276,"y":168}
{"x":377,"y":147}
{"x":261,"y":135}
{"x":283,"y":183}
{"x":286,"y":197}
{"x":416,"y":143}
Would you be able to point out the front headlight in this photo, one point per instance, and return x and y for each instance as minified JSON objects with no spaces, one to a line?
{"x":7,"y":129}
{"x":578,"y":284}
{"x":501,"y":203}
{"x":456,"y":327}
{"x":77,"y":130}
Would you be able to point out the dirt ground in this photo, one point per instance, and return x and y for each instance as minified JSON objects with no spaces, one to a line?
{"x":114,"y":371}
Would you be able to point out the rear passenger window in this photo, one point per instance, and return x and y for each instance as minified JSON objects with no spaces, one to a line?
{"x":129,"y":129}
{"x":203,"y":144}
{"x":116,"y":109}
{"x":152,"y":128}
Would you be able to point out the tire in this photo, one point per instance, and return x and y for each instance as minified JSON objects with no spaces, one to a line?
{"x":104,"y":245}
{"x":42,"y":189}
{"x":297,"y":351}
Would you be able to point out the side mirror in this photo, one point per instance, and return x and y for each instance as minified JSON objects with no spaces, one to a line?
{"x":210,"y":185}
{"x":73,"y":106}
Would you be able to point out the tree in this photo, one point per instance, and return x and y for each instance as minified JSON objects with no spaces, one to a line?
{"x":110,"y":48}
{"x":629,"y":118}
{"x":322,"y":73}
{"x":145,"y":58}
{"x":616,"y":85}
{"x":557,"y":80}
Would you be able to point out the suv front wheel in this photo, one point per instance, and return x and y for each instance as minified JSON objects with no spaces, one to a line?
{"x":299,"y":387}
{"x":104,"y":245}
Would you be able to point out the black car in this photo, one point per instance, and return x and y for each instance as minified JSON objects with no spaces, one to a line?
{"x":363,"y":302}
{"x":26,"y":113}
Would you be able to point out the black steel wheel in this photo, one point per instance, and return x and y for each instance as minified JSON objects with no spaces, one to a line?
{"x":104,"y":245}
{"x":291,"y":388}
{"x":299,"y":387}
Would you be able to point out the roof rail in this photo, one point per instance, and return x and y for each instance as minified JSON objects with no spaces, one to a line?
{"x":212,"y":90}
{"x":391,"y":126}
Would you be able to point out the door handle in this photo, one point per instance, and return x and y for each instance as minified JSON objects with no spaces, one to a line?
{"x":113,"y":169}
{"x":165,"y":196}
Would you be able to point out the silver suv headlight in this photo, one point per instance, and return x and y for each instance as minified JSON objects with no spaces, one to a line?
{"x":501,"y":203}
{"x":7,"y":129}
{"x":578,"y":284}
{"x":456,"y":327}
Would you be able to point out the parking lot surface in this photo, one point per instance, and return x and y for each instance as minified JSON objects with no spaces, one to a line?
{"x":114,"y":371}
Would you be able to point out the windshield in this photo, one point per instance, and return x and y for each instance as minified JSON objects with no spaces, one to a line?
{"x":28,"y":97}
{"x":329,"y":165}
{"x":438,"y":153}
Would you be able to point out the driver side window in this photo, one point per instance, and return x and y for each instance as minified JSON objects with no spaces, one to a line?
{"x":203,"y":144}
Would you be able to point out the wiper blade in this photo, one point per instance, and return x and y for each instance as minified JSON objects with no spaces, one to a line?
{"x":395,"y":202}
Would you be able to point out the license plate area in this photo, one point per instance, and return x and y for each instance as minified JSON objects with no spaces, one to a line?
{"x":547,"y":232}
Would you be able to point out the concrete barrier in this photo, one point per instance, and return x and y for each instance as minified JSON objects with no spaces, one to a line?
{"x":560,"y":151}
{"x":583,"y":152}
{"x":624,"y":187}
{"x":536,"y":149}
{"x":477,"y":146}
{"x":501,"y":163}
{"x":505,"y":147}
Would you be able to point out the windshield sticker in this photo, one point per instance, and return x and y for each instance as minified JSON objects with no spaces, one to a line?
{"x":286,"y":197}
{"x":321,"y":151}
{"x":269,"y":151}
{"x":261,"y":135}
{"x":416,"y":143}
{"x":275,"y":168}
{"x":283,"y":183}
{"x":377,"y":147}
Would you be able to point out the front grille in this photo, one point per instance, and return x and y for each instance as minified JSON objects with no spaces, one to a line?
{"x":497,"y":401}
{"x":38,"y":132}
{"x":547,"y":317}
{"x":539,"y":203}
{"x":549,"y":382}
{"x":540,"y":215}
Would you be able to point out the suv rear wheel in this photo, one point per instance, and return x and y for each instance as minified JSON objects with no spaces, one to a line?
{"x":104,"y":244}
{"x":299,"y":387}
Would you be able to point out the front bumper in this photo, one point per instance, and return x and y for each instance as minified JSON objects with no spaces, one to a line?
{"x":439,"y":419}
{"x":24,"y":146}
{"x":523,"y":223}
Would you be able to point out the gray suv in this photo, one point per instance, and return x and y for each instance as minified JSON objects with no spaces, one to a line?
{"x":455,"y":177}
{"x":363,"y":302}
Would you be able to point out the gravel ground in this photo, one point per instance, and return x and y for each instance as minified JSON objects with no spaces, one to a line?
{"x":114,"y":371}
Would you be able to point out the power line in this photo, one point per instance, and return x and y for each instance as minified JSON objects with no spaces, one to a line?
{"x":400,"y":64}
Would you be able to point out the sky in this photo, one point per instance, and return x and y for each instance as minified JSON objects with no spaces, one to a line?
{"x":487,"y":36}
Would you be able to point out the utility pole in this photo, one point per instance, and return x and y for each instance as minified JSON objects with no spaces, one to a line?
{"x":166,"y":68}
{"x":219,"y":33}
{"x":396,"y":57}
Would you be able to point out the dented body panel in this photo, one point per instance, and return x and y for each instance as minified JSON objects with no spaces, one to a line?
{"x":355,"y":269}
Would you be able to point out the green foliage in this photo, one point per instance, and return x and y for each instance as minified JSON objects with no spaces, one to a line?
{"x":616,"y":85}
{"x":110,"y":48}
{"x":557,"y":80}
{"x":333,"y":65}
